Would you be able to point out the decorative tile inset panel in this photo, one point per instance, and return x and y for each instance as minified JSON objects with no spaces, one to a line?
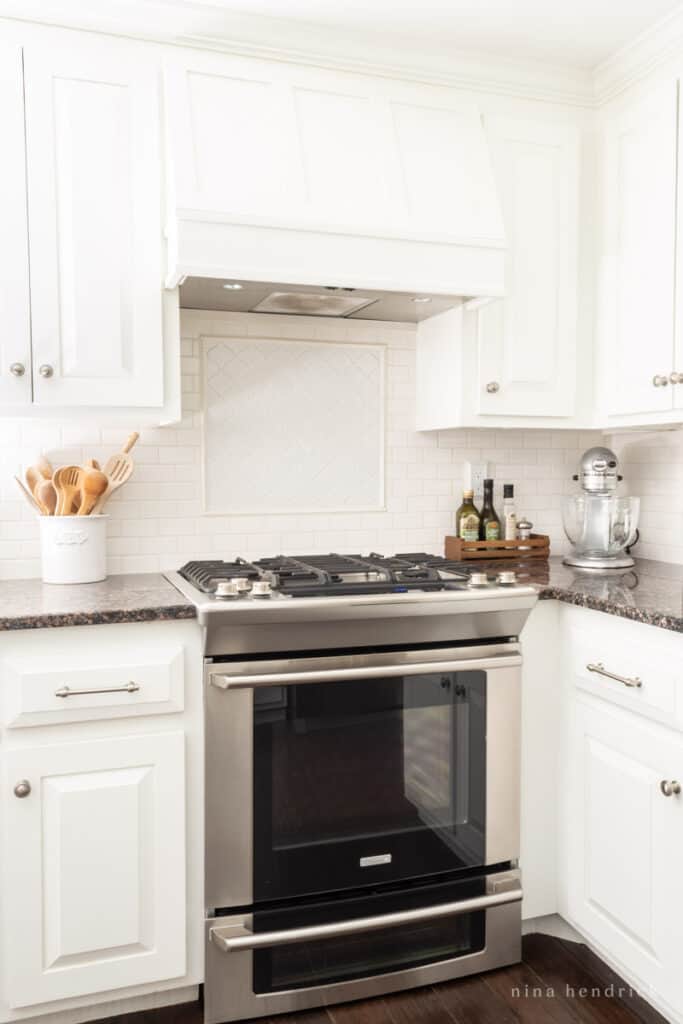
{"x":293,"y":426}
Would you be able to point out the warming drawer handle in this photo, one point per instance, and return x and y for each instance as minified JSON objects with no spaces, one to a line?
{"x":232,"y":939}
{"x":600,"y":670}
{"x":228,"y":682}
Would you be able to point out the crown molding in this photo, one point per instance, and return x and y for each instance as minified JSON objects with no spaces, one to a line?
{"x":201,"y":24}
{"x":640,"y":58}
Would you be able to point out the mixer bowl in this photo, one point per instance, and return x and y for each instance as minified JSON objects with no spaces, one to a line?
{"x":600,"y":526}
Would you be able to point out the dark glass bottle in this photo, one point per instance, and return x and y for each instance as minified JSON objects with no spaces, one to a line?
{"x":490,"y":528}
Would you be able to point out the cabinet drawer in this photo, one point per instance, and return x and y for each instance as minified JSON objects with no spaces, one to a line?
{"x":45,"y":690}
{"x":648,"y":676}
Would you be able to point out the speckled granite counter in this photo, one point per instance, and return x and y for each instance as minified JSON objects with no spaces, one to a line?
{"x":651,"y":592}
{"x":139,"y":597}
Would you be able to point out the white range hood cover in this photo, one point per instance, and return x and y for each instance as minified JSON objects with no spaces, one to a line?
{"x":316,"y":177}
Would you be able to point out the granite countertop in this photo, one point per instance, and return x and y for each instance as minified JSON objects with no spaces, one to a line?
{"x":138,"y":597}
{"x":651,"y":592}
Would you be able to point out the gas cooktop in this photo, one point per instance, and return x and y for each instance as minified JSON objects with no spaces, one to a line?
{"x":332,"y":575}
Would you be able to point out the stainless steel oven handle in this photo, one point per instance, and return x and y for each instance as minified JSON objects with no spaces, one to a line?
{"x":331,"y":675}
{"x":236,"y":939}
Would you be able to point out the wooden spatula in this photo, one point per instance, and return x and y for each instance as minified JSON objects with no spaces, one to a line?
{"x":46,"y":496}
{"x":67,"y":483}
{"x":93,"y":485}
{"x":118,"y":468}
{"x":44,"y":467}
{"x":27,"y":494}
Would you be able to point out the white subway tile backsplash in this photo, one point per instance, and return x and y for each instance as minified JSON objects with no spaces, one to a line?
{"x":156,"y":521}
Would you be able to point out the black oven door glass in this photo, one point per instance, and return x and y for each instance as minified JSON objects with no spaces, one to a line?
{"x":365,"y":782}
{"x":367,"y":954}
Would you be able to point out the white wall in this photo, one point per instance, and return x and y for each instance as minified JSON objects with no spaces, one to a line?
{"x":156,"y":521}
{"x":652,"y":466}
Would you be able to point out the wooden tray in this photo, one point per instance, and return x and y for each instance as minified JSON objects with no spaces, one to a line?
{"x":537,"y":546}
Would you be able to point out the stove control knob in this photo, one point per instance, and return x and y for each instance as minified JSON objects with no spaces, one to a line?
{"x":479,"y":579}
{"x":506,"y":578}
{"x":261,"y":588}
{"x":227,"y":589}
{"x":242,"y":585}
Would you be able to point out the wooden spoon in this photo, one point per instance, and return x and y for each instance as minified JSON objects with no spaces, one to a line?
{"x":27,"y":494}
{"x":67,"y":483}
{"x":119,"y":469}
{"x":93,"y":485}
{"x":46,"y":496}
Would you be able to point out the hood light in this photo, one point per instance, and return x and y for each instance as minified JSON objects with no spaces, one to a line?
{"x":419,"y":299}
{"x":232,"y":286}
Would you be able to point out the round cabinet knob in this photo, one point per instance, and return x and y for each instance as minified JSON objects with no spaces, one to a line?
{"x":676,"y":378}
{"x":672,"y":788}
{"x":660,"y":381}
{"x":22,"y":789}
{"x":46,"y":370}
{"x":17,"y":369}
{"x":493,"y":387}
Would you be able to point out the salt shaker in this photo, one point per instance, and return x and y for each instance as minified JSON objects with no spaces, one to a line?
{"x":524,"y":528}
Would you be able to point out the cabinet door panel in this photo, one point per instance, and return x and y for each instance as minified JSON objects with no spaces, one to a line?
{"x":15,"y":338}
{"x":94,"y":890}
{"x":527,"y":341}
{"x":94,"y":185}
{"x":638,"y":278}
{"x":624,"y":836}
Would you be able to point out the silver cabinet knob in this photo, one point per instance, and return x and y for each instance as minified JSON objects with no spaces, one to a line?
{"x":22,"y":788}
{"x":676,"y":378}
{"x":660,"y":381}
{"x":493,"y":387}
{"x":17,"y":369}
{"x":46,"y":370}
{"x":672,"y":788}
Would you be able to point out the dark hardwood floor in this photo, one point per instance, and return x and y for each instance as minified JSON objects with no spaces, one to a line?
{"x":558,"y":982}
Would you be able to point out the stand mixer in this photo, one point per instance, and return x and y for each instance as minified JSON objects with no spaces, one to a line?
{"x":600,"y":525}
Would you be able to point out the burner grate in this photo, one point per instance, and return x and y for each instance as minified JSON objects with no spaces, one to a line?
{"x":320,"y":575}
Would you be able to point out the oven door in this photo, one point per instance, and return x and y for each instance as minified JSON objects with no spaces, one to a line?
{"x":336,"y":773}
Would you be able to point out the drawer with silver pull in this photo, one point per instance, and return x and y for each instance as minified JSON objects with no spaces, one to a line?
{"x":635,"y":666}
{"x":37,"y":689}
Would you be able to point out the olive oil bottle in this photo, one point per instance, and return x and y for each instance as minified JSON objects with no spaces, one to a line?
{"x":467,"y":519}
{"x":490,"y":528}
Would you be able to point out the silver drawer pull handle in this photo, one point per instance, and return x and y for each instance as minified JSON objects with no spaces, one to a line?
{"x":66,"y":691}
{"x":670,"y":788}
{"x":602,"y":671}
{"x":231,"y":939}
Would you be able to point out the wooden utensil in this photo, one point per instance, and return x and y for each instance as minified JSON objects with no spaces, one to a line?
{"x":33,"y":477}
{"x":119,"y":469}
{"x":67,"y":483}
{"x":91,"y":464}
{"x":46,"y":496}
{"x":44,"y":467}
{"x":27,"y":494}
{"x":93,"y":485}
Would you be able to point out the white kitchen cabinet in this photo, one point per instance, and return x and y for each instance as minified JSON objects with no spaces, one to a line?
{"x":15,"y":338}
{"x":527,"y":341}
{"x":637,"y":287}
{"x":625,"y":888}
{"x":94,"y":881}
{"x":513,"y":361}
{"x":94,"y":198}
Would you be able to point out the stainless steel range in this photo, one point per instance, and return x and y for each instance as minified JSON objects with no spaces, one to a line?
{"x":362,"y":776}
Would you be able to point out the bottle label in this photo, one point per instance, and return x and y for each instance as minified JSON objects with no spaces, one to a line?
{"x":469,"y":527}
{"x":493,"y":531}
{"x":511,"y":526}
